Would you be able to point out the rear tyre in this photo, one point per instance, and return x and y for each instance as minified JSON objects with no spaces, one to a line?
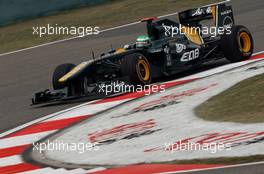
{"x":137,"y":68}
{"x":238,"y":45}
{"x":59,"y":72}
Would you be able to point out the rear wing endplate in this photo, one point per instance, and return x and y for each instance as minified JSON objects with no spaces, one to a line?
{"x":220,"y":13}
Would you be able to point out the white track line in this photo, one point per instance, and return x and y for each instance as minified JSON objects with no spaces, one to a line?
{"x":23,"y":140}
{"x":87,"y":109}
{"x":220,"y":69}
{"x":105,"y":30}
{"x":96,"y":169}
{"x":40,"y":120}
{"x":260,"y":52}
{"x":39,"y":171}
{"x":11,"y":160}
{"x":60,"y":170}
{"x":61,"y":114}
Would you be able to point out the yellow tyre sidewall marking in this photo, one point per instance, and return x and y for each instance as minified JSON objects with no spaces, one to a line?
{"x":246,"y":45}
{"x":143,"y":62}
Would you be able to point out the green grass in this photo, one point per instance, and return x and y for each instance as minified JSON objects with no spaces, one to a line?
{"x":114,"y":13}
{"x":243,"y":103}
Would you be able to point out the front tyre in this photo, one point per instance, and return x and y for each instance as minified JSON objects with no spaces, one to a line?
{"x":238,"y":45}
{"x":59,"y":72}
{"x":137,"y":68}
{"x":74,"y":87}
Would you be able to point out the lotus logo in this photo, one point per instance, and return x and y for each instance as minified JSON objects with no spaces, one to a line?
{"x":228,"y":22}
{"x":180,"y":48}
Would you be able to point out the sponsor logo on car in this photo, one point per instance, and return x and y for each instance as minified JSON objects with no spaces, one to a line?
{"x":180,"y":47}
{"x":191,"y":55}
{"x":228,"y":22}
{"x":201,"y":11}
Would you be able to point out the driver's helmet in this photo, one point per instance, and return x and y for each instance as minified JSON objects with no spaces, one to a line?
{"x":142,"y":41}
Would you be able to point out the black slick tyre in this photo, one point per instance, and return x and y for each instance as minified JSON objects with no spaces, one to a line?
{"x":137,"y":68}
{"x":59,"y":72}
{"x":237,"y":46}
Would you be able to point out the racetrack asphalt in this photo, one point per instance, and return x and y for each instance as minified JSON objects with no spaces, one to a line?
{"x":26,"y":72}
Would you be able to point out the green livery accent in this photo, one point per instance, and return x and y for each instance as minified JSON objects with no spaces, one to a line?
{"x":143,"y":38}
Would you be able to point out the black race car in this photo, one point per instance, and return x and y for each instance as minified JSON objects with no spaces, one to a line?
{"x":169,"y":48}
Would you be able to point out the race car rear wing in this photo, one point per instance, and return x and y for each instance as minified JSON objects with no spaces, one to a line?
{"x":220,"y":13}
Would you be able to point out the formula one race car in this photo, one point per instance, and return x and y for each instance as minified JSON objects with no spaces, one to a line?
{"x":169,"y":48}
